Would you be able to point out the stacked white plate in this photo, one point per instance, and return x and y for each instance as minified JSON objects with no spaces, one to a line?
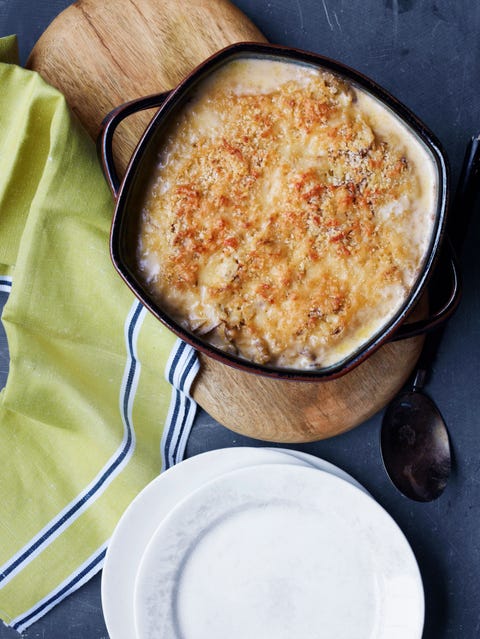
{"x":249,"y":543}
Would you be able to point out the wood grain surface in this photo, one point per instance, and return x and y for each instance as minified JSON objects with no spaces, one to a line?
{"x":101,"y":53}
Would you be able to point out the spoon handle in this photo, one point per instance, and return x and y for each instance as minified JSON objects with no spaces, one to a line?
{"x":457,"y":228}
{"x":465,"y":196}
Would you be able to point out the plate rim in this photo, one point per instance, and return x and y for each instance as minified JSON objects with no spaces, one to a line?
{"x":415,"y":630}
{"x":117,"y":627}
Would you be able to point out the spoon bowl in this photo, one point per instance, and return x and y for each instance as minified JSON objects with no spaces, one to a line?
{"x":414,"y":438}
{"x":415,"y":446}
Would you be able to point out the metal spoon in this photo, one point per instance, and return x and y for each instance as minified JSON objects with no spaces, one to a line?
{"x":414,"y":437}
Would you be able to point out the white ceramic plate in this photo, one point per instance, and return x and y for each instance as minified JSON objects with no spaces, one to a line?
{"x":280,"y":551}
{"x":148,"y":509}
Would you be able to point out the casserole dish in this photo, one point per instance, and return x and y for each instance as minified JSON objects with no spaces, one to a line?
{"x":130,"y":194}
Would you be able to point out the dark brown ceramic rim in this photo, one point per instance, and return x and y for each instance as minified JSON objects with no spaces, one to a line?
{"x":396,"y":328}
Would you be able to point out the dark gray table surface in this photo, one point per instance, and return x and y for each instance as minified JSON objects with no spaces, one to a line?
{"x":427,"y":53}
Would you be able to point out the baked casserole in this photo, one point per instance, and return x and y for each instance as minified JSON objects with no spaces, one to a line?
{"x":288,"y":215}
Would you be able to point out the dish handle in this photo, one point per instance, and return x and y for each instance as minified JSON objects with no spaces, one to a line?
{"x":448,"y":306}
{"x":108,"y":128}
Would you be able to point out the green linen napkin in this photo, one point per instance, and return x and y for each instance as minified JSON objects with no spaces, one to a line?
{"x":86,"y":409}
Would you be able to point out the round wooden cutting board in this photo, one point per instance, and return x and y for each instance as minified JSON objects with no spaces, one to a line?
{"x":101,"y":53}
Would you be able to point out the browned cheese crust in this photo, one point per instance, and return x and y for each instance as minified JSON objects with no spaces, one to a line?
{"x":272,"y":229}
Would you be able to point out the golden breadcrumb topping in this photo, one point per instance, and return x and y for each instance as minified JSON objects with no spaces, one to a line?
{"x":281,"y":224}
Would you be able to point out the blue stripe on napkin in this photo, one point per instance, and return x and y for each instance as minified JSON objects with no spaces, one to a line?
{"x":116,"y":463}
{"x":181,"y":369}
{"x":5,"y":284}
{"x":83,"y":574}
